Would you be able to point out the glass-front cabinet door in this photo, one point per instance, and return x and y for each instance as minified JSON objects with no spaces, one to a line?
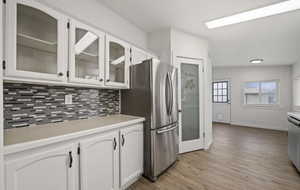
{"x":86,"y":54}
{"x":36,"y":41}
{"x":117,"y":63}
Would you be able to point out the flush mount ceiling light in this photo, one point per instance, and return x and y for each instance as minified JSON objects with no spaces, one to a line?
{"x":274,"y":9}
{"x":256,"y":61}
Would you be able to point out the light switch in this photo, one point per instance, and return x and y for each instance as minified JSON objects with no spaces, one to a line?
{"x":68,"y":99}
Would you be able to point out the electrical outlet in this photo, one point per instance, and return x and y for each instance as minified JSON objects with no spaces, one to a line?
{"x":68,"y":99}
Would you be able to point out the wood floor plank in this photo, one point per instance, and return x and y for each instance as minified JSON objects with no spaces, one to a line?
{"x":241,"y":158}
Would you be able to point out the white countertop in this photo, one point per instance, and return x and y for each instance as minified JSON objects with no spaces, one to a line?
{"x":18,"y":139}
{"x":294,"y":114}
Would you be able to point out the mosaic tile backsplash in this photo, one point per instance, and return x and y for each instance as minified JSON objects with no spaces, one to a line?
{"x":26,"y":104}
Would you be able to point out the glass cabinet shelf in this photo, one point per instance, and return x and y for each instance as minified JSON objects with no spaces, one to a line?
{"x":35,"y":43}
{"x":85,"y":56}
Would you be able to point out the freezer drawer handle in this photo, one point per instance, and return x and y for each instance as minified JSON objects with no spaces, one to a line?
{"x":166,"y":130}
{"x":294,"y":121}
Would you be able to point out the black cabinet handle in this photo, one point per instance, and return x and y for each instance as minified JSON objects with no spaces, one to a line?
{"x":107,"y":80}
{"x":115,"y":144}
{"x":60,"y":74}
{"x":100,"y":80}
{"x":179,"y":111}
{"x":123,"y":140}
{"x":71,"y":159}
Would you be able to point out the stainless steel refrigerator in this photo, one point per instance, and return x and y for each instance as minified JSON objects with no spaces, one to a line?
{"x":153,"y":95}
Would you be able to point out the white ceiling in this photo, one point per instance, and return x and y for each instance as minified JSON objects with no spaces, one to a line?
{"x":276,"y":39}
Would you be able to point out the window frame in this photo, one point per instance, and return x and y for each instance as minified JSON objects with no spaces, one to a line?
{"x":277,"y":81}
{"x":227,"y":92}
{"x":295,"y":106}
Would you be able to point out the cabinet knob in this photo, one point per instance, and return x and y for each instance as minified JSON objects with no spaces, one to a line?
{"x":179,"y":111}
{"x":100,"y":80}
{"x":107,"y":80}
{"x":60,"y":74}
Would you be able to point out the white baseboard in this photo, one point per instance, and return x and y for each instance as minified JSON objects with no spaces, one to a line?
{"x":208,"y":145}
{"x":261,"y":126}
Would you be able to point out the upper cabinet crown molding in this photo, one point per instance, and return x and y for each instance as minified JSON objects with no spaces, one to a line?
{"x":36,"y":41}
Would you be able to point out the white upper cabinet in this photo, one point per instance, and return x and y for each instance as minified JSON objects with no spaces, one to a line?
{"x":138,"y":56}
{"x":52,"y":169}
{"x":36,"y":41}
{"x":39,"y":47}
{"x":117,"y":62}
{"x":86,"y":47}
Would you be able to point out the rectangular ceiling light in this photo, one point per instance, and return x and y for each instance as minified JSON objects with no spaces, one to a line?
{"x":274,"y":9}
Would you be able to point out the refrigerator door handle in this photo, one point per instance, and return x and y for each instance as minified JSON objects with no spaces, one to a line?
{"x":167,"y":96}
{"x":161,"y":131}
{"x":167,"y":91}
{"x":171,"y":94}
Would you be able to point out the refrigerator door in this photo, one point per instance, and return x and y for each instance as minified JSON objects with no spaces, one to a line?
{"x":164,"y":149}
{"x":160,"y":94}
{"x":174,"y":97}
{"x":163,"y":87}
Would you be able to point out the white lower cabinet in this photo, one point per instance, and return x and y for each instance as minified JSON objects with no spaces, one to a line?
{"x":107,"y":161}
{"x":131,"y":154}
{"x":46,"y":170}
{"x":99,"y":162}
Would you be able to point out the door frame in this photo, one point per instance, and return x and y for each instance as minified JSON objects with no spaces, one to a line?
{"x":1,"y":102}
{"x":229,"y":95}
{"x":198,"y":143}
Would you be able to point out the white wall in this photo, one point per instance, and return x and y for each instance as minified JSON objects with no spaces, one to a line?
{"x":96,"y":14}
{"x":188,"y":45}
{"x":261,"y":117}
{"x":296,"y":69}
{"x":160,"y":43}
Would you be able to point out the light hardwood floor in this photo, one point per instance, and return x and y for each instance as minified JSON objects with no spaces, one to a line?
{"x":241,"y":158}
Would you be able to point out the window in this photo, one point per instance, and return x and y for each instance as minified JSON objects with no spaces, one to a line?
{"x":220,"y":92}
{"x":297,"y":93}
{"x":261,"y":93}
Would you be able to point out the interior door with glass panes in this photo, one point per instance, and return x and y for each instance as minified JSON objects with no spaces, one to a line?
{"x":36,"y":41}
{"x":190,"y":94}
{"x":117,"y":62}
{"x":86,"y":54}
